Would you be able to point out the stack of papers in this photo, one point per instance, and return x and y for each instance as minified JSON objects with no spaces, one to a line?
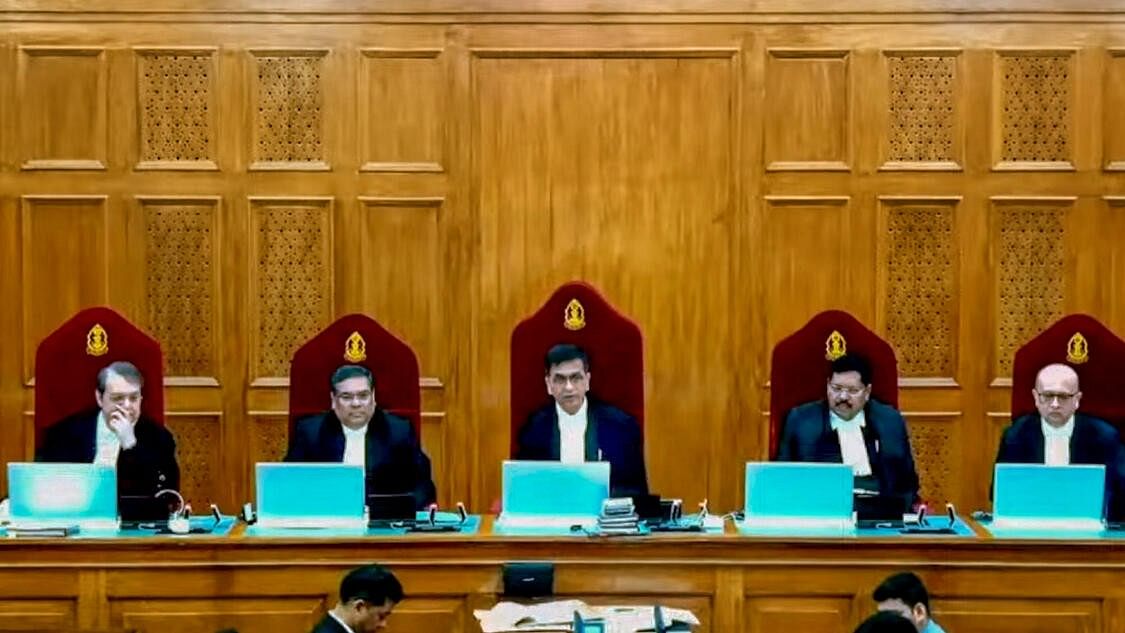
{"x":558,"y":617}
{"x":618,"y":516}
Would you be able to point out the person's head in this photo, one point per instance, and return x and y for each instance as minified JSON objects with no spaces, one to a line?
{"x":119,"y":389}
{"x":1056,"y":393}
{"x":368,"y":594}
{"x":905,"y":595}
{"x":849,"y":385}
{"x":886,"y":622}
{"x":353,"y":395}
{"x":567,"y":371}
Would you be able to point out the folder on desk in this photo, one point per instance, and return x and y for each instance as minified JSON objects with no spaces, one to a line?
{"x":798,"y":495}
{"x":51,"y":496}
{"x":1036,"y":496}
{"x":552,"y":494}
{"x":310,"y":495}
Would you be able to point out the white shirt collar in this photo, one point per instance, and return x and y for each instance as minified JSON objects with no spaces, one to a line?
{"x":859,"y":421}
{"x":361,"y":432}
{"x":336,"y":617}
{"x":576,"y":420}
{"x":1049,"y":430}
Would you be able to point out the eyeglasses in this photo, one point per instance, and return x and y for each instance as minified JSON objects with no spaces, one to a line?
{"x":841,"y":390}
{"x":362,"y":397}
{"x":1048,"y":398}
{"x":561,"y":380}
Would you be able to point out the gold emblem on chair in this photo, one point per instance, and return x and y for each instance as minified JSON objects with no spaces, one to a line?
{"x":355,"y":349}
{"x":835,"y":347}
{"x":1077,"y":349}
{"x":97,"y":341}
{"x":574,"y":317}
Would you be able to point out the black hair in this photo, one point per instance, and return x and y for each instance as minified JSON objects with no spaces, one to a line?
{"x":122,"y":368}
{"x":344,"y":372}
{"x":906,"y":587}
{"x":562,"y":353}
{"x":371,"y":583}
{"x":851,"y":362}
{"x":886,"y":622}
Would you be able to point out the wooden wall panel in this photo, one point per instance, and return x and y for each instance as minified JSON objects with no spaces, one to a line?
{"x":232,"y":180}
{"x":63,"y":271}
{"x":806,"y":123}
{"x":253,"y":615}
{"x":580,"y":159}
{"x":402,"y":110}
{"x":32,"y":615}
{"x":827,"y":614}
{"x":1022,"y":616}
{"x":63,"y":101}
{"x":197,"y":451}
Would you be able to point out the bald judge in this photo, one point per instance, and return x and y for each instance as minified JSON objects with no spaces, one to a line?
{"x":1058,"y":435}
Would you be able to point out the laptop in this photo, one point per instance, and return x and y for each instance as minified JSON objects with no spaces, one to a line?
{"x":1036,"y":496}
{"x":46,"y":495}
{"x":310,"y":495}
{"x":799,"y":495}
{"x":552,"y":494}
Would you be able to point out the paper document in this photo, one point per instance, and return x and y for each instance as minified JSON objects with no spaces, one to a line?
{"x":508,"y":617}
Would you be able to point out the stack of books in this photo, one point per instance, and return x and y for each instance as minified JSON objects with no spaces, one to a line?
{"x":618,"y":516}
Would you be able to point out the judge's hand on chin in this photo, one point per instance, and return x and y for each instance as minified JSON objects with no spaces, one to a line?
{"x":121,"y":426}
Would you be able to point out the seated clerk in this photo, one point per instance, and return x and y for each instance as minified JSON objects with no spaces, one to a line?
{"x":116,"y":434}
{"x":574,"y":429}
{"x":356,"y":431}
{"x":850,"y":427}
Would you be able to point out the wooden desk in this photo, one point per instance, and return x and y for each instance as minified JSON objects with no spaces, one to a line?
{"x":281,"y":585}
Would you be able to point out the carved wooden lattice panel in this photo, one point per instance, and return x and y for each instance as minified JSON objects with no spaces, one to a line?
{"x":271,"y":438}
{"x":1029,"y":282}
{"x":289,"y":118}
{"x":922,"y":108}
{"x":920,"y":288}
{"x":175,"y":107}
{"x":931,"y":442}
{"x":1035,"y":108}
{"x":197,"y":452}
{"x":294,"y":281}
{"x":179,"y":284}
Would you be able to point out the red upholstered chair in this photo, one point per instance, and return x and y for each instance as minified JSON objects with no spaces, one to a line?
{"x":355,"y":339}
{"x":1083,"y":343}
{"x":68,"y":360}
{"x":576,"y":313}
{"x":799,"y":365}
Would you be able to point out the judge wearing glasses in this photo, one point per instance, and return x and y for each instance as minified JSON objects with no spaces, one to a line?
{"x":850,"y":427}
{"x":1059,"y":435}
{"x":356,"y":431}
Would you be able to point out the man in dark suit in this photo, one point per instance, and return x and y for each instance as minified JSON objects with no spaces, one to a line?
{"x":574,"y":429}
{"x":1060,"y":435}
{"x":850,"y":427}
{"x":368,"y":594}
{"x":116,"y":434}
{"x":356,"y":431}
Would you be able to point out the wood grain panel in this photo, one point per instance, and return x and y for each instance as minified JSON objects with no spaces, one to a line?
{"x":36,"y":615}
{"x":288,"y":114}
{"x":782,"y":613}
{"x":1022,"y":616}
{"x":431,"y":615}
{"x":807,"y":115}
{"x":64,"y":263}
{"x":405,"y":233}
{"x":262,"y":615}
{"x":810,"y":261}
{"x":925,"y":117}
{"x":402,"y":110}
{"x":580,"y":160}
{"x":62,"y":97}
{"x":1114,"y":87}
